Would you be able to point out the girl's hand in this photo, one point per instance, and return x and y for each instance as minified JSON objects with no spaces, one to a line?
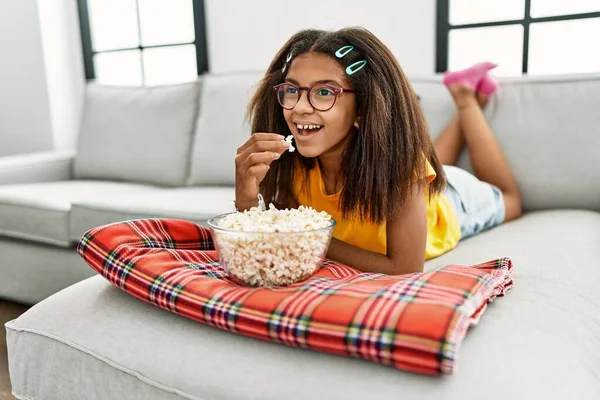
{"x":252,"y":163}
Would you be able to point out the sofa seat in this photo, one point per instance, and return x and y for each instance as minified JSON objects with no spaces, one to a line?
{"x":39,"y":212}
{"x":539,"y":342}
{"x":197,"y":204}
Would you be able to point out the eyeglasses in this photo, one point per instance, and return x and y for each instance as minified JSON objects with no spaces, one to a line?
{"x":322,"y":97}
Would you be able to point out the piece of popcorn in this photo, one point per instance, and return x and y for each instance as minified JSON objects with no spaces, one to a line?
{"x":289,"y":139}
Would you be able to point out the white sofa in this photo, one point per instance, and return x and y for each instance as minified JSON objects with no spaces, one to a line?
{"x":93,"y":341}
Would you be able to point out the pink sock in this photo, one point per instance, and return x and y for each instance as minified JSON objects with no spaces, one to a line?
{"x":471,"y":76}
{"x":488,"y":85}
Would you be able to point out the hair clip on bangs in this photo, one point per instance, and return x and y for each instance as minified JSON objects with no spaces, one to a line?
{"x":357,"y":66}
{"x":342,"y":51}
{"x":287,"y":60}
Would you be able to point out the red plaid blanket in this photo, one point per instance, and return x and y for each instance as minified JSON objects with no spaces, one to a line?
{"x":412,"y":322}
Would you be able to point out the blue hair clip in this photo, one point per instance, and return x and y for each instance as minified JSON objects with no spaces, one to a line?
{"x":353,"y":68}
{"x":342,"y":51}
{"x":357,"y":66}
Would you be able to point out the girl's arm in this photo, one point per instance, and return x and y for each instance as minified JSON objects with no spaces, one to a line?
{"x":406,"y":241}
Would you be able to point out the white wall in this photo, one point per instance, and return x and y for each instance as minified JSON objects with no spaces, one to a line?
{"x":65,"y":77}
{"x":245,"y":35}
{"x":24,"y":107}
{"x":41,"y":75}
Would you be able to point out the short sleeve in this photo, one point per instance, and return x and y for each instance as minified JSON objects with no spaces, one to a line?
{"x":430,"y":173}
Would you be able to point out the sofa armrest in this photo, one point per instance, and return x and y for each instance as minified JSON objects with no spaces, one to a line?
{"x":36,"y":167}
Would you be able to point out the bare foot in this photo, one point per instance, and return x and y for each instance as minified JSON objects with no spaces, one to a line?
{"x":463,"y":96}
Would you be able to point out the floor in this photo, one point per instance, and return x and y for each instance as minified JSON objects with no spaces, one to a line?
{"x":8,"y":311}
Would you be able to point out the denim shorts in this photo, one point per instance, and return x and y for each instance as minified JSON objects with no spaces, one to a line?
{"x":478,"y":205}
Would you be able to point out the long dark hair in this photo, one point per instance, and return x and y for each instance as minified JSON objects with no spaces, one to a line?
{"x":384,"y":156}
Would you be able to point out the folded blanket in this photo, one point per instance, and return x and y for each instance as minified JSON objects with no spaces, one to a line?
{"x":412,"y":322}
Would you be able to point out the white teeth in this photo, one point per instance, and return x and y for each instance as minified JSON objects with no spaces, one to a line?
{"x":308,"y":126}
{"x":300,"y":127}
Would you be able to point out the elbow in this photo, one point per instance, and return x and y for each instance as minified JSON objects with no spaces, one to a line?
{"x":404,"y":268}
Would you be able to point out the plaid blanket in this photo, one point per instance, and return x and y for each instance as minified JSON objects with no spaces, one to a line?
{"x":412,"y":322}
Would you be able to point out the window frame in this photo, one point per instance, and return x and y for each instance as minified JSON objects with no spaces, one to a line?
{"x":443,"y":28}
{"x":200,"y":41}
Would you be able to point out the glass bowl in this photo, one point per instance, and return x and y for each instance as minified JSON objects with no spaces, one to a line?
{"x":270,"y":259}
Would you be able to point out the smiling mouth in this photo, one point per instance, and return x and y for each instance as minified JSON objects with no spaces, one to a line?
{"x":307,"y":130}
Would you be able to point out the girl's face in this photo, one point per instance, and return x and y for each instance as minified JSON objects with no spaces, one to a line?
{"x":336,"y":123}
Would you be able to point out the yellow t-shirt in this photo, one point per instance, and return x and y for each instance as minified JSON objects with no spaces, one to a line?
{"x":443,"y":230}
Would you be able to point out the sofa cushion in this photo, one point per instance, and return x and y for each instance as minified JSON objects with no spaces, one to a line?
{"x":540,"y":341}
{"x":140,"y":134}
{"x":40,"y":211}
{"x":196,"y":204}
{"x":549,"y":130}
{"x":221,"y":127}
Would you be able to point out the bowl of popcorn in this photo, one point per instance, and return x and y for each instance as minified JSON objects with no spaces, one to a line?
{"x":272,"y":247}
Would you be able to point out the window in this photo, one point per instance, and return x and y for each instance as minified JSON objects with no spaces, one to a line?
{"x":536,"y":37}
{"x":143,"y":42}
